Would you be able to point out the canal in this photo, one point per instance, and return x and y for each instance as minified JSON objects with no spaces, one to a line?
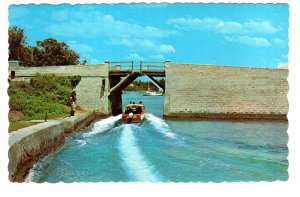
{"x":169,"y":150}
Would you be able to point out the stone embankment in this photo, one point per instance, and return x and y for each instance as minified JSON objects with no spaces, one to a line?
{"x":28,"y":145}
{"x":225,"y":92}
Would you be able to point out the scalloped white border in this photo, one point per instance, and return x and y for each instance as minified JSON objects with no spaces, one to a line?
{"x":288,"y":188}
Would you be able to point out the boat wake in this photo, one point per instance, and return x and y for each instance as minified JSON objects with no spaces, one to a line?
{"x":80,"y":143}
{"x":103,"y":125}
{"x":135,"y":162}
{"x":160,"y":125}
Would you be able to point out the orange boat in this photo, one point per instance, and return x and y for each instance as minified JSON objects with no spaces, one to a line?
{"x":133,"y":113}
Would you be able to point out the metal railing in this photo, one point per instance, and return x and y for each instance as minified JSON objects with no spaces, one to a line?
{"x":130,"y":66}
{"x":152,"y":66}
{"x":122,"y":65}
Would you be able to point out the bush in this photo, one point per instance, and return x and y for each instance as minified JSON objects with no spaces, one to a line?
{"x":44,"y":94}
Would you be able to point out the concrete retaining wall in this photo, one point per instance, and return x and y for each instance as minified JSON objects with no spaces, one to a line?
{"x":91,"y":91}
{"x":204,"y":91}
{"x":28,"y":145}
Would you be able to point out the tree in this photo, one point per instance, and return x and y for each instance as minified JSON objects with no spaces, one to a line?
{"x":50,"y":52}
{"x":17,"y":43}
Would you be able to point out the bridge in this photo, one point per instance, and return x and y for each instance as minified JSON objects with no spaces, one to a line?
{"x":121,"y":74}
{"x":191,"y":90}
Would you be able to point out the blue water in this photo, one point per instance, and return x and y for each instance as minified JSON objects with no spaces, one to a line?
{"x":169,"y":151}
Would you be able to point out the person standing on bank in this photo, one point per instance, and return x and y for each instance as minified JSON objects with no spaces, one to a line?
{"x":73,"y":103}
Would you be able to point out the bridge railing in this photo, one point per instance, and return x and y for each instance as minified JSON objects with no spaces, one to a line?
{"x":131,"y":66}
{"x":121,"y":66}
{"x":152,"y":66}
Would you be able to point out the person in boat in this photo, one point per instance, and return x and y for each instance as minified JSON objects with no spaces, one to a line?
{"x":139,"y":107}
{"x":130,"y":116}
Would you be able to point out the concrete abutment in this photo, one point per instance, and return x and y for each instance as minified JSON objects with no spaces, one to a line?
{"x":225,"y":92}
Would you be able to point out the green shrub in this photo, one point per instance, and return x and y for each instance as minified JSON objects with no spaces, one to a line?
{"x":44,"y":94}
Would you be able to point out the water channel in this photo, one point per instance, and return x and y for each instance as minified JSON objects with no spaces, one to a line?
{"x":169,"y":150}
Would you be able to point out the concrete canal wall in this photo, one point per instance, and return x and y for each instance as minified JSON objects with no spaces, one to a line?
{"x":28,"y":145}
{"x":224,"y":92}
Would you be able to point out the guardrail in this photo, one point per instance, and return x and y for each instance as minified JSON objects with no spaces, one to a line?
{"x":142,"y":66}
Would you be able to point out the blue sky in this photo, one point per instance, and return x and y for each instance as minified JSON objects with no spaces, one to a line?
{"x":223,"y":34}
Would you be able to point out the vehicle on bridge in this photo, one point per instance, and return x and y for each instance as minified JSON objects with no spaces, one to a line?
{"x":133,"y":113}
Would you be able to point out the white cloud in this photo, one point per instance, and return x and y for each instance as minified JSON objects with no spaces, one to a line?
{"x":84,"y":51}
{"x":143,"y":45}
{"x":167,"y":48}
{"x":224,"y":27}
{"x":263,"y":26}
{"x":80,"y":48}
{"x":247,"y":40}
{"x":278,"y":42}
{"x":157,"y":57}
{"x":135,"y":57}
{"x":95,"y":24}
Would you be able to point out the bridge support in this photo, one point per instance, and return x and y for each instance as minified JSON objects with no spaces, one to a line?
{"x":116,"y":103}
{"x":160,"y":87}
{"x":118,"y":86}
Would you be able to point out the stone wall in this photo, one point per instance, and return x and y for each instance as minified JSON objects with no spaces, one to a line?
{"x":28,"y":145}
{"x":91,"y":70}
{"x":207,"y":91}
{"x":92,"y":94}
{"x":92,"y":90}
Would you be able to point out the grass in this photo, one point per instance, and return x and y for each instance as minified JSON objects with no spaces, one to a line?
{"x":13,"y":126}
{"x":44,"y":96}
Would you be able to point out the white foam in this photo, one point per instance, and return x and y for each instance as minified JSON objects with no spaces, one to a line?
{"x":133,"y":158}
{"x":103,"y":125}
{"x":160,"y":125}
{"x":80,"y":143}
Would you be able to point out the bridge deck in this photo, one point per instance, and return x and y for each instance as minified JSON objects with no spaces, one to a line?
{"x":123,"y":73}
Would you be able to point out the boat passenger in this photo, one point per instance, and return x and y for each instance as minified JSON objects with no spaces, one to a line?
{"x":140,"y":105}
{"x":139,"y":109}
{"x":130,"y":116}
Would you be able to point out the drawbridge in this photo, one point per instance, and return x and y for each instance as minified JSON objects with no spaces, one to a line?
{"x":121,"y":74}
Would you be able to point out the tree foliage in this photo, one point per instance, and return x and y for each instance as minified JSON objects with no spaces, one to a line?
{"x":48,"y":52}
{"x":17,"y":43}
{"x":54,"y":53}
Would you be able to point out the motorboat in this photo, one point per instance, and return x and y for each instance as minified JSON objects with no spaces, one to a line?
{"x":133,"y":113}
